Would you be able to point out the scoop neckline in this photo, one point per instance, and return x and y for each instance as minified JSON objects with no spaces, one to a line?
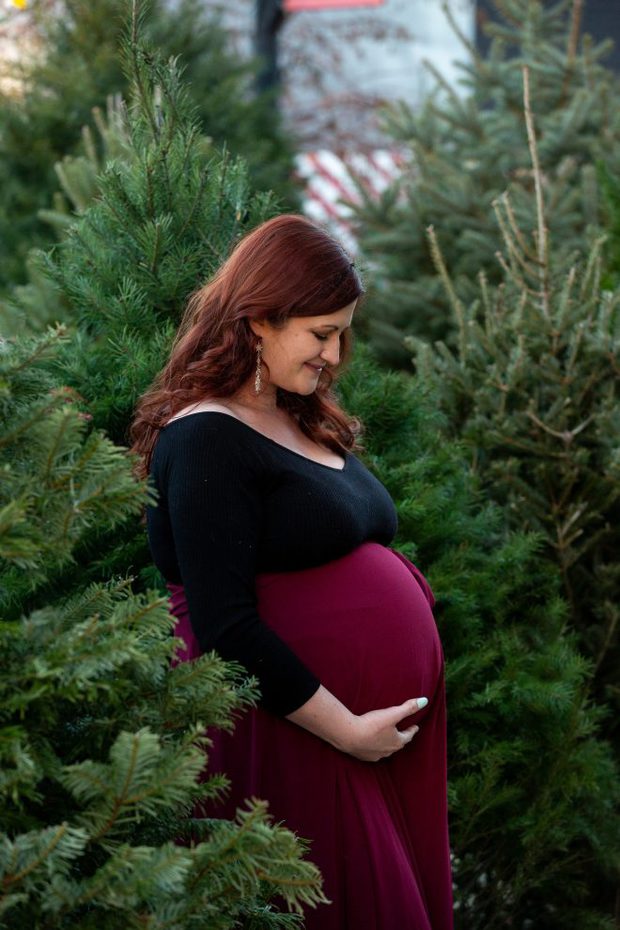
{"x":257,"y":432}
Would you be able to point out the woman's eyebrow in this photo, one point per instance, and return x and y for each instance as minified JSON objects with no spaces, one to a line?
{"x":326,"y":326}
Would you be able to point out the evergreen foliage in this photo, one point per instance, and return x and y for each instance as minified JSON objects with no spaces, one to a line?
{"x":30,"y":307}
{"x":166,"y":216}
{"x":533,"y":789}
{"x":532,"y":387}
{"x":81,"y":67}
{"x":102,"y":743}
{"x":78,"y":175}
{"x":468,"y":147}
{"x":610,"y":204}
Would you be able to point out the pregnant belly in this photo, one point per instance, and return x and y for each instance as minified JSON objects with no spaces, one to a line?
{"x":362,"y":623}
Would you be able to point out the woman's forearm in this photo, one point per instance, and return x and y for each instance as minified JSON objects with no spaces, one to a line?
{"x":326,"y":717}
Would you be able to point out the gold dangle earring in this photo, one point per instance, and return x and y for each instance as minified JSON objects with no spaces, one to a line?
{"x":257,"y":378}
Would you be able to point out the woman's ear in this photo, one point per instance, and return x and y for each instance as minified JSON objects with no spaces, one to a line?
{"x":258,"y":327}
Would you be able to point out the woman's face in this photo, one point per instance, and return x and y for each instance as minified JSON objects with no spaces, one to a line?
{"x":297,"y":352}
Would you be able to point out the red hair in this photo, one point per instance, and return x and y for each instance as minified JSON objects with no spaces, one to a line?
{"x":285,"y":267}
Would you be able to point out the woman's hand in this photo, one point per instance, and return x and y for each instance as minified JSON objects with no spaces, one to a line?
{"x":376,"y":735}
{"x":369,"y":737}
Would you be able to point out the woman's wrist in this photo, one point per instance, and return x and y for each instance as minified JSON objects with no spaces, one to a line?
{"x":328,"y":718}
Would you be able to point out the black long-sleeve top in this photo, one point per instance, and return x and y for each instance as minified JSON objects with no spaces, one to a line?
{"x":232,"y":503}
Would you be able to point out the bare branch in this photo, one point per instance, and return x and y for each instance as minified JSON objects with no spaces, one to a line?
{"x":573,"y":38}
{"x":542,"y":238}
{"x":457,"y":306}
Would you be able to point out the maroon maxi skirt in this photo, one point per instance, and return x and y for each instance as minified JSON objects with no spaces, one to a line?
{"x":378,"y":830}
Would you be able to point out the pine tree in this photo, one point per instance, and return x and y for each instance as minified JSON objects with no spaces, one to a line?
{"x":78,"y":175}
{"x":466,"y":148}
{"x":37,"y":304}
{"x":32,"y":307}
{"x":102,"y":742}
{"x":532,"y":390}
{"x":533,"y":788}
{"x":167,"y":213}
{"x":81,"y":67}
{"x":610,"y":206}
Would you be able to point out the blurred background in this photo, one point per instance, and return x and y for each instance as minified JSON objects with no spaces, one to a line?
{"x":329,"y":67}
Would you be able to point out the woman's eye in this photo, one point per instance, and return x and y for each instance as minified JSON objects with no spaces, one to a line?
{"x":321,"y":337}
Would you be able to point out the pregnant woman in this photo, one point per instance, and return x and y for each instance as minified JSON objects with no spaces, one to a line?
{"x":274,"y":541}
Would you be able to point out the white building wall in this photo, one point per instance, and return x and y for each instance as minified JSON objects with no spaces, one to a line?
{"x":339,"y":66}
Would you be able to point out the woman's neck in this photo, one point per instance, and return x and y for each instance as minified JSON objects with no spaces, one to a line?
{"x":265,"y":403}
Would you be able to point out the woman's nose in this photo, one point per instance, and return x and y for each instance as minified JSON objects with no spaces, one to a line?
{"x":331,"y":352}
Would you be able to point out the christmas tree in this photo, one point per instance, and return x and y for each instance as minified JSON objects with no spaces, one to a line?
{"x":79,"y":66}
{"x":102,"y":743}
{"x":610,"y":206}
{"x":533,"y":788}
{"x":533,"y":387}
{"x":32,"y":307}
{"x":467,"y":146}
{"x":168,"y":212}
{"x":532,"y":390}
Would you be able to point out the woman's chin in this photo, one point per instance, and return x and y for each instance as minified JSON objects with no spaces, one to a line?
{"x":303,"y":387}
{"x":307,"y":387}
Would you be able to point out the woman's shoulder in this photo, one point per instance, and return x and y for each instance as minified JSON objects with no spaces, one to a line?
{"x":203,"y":419}
{"x":204,"y":406}
{"x":207,"y":435}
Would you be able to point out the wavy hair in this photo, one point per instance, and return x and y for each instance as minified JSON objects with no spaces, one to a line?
{"x":286,"y":267}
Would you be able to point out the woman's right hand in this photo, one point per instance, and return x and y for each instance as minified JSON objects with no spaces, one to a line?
{"x":375,"y":735}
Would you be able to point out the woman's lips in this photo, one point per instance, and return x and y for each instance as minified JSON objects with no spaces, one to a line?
{"x":317,"y":369}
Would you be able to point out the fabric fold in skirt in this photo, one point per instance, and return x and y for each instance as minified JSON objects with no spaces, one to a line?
{"x":377,"y":830}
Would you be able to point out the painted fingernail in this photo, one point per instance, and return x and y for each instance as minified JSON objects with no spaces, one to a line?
{"x":422,"y":702}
